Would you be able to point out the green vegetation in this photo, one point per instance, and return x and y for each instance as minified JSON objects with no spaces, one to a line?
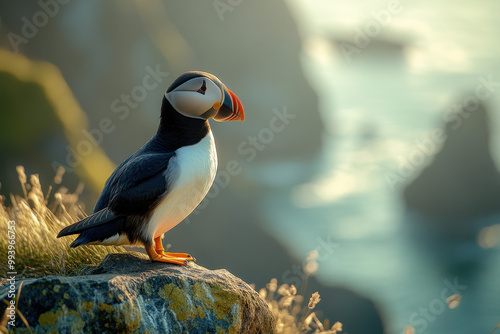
{"x":38,"y":219}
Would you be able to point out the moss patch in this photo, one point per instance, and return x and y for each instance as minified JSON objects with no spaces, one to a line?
{"x":51,"y":320}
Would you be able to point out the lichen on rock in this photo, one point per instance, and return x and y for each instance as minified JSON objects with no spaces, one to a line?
{"x":128,"y":294}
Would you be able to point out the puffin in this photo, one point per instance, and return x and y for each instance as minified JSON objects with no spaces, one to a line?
{"x":158,"y":186}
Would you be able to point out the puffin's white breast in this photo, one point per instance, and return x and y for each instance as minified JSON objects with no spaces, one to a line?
{"x":195,"y":166}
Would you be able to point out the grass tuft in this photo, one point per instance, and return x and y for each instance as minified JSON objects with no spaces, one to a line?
{"x":38,"y":219}
{"x":292,"y":315}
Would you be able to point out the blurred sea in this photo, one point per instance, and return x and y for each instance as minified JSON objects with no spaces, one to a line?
{"x":379,"y":105}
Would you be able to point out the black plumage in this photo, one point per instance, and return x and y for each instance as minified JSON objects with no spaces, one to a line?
{"x":139,"y":183}
{"x":125,"y":212}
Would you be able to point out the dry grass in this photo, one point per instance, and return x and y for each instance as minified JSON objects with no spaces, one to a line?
{"x":38,"y":219}
{"x":291,"y":314}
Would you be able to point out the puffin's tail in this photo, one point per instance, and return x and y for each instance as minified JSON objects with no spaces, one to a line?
{"x":80,"y":241}
{"x":103,"y":221}
{"x":100,"y":233}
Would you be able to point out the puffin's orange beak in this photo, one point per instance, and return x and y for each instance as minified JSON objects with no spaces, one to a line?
{"x":231,"y":109}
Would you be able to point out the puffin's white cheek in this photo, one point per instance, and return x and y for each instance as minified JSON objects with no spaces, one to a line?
{"x":189,"y":103}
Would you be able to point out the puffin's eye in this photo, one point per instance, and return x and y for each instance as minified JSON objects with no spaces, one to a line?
{"x":203,"y":88}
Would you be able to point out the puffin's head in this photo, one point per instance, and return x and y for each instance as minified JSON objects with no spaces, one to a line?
{"x":201,"y":95}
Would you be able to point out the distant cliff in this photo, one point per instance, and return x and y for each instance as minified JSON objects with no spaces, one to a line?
{"x":462,"y":182}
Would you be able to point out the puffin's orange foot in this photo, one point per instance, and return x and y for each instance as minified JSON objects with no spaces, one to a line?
{"x":158,"y":254}
{"x":159,"y":250}
{"x":169,"y":259}
{"x":179,"y":255}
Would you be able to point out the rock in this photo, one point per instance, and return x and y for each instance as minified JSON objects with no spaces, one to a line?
{"x":128,"y":294}
{"x":377,"y":50}
{"x":462,"y":183}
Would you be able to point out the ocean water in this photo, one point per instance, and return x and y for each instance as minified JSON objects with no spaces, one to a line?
{"x":380,"y":105}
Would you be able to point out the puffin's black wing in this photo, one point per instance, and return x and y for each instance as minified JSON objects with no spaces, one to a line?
{"x":134,"y":188}
{"x":141,"y":182}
